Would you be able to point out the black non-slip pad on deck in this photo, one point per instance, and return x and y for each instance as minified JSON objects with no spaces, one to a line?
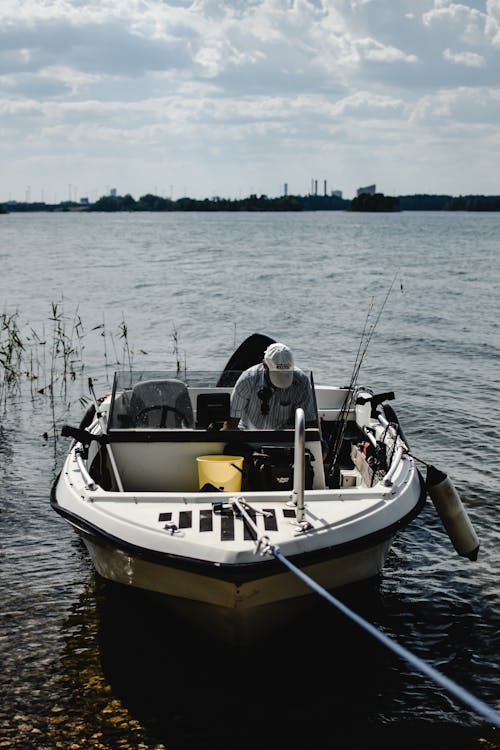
{"x":248,"y":532}
{"x":185,"y":519}
{"x":270,"y":521}
{"x":227,"y":528}
{"x":206,"y":522}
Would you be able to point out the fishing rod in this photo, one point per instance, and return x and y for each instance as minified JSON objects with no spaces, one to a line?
{"x":336,"y":442}
{"x":338,"y":435}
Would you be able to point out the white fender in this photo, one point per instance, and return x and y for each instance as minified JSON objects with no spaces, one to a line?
{"x":452,"y":513}
{"x":363,"y":411}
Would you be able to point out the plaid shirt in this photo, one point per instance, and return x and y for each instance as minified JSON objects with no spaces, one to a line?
{"x":247,"y":405}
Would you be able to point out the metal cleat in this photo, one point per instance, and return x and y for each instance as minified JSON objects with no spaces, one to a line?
{"x":172,"y":527}
{"x":302,"y":527}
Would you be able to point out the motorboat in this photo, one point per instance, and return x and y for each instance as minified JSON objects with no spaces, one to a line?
{"x":167,"y":501}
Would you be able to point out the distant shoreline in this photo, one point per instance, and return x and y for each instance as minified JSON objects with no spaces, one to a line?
{"x":377,"y":202}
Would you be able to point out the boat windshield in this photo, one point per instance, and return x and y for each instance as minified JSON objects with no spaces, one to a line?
{"x":167,"y":399}
{"x":126,"y":380}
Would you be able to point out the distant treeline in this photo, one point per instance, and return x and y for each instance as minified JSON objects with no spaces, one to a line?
{"x":363,"y":202}
{"x":449,"y":203}
{"x":151,"y":202}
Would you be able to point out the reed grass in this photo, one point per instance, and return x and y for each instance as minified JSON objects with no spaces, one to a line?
{"x":179,"y":367}
{"x":12,"y":354}
{"x":53,"y":355}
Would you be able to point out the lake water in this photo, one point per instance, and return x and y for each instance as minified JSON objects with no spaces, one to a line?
{"x":83,"y":667}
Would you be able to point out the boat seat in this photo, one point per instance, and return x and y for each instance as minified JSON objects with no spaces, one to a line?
{"x":161,"y":403}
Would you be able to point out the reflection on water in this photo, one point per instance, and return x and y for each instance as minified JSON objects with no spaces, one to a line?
{"x":147,"y":674}
{"x":118,"y":670}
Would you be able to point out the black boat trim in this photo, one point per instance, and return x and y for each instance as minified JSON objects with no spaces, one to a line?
{"x":208,"y":436}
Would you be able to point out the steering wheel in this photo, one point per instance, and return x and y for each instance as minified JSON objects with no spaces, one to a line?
{"x":164,"y":413}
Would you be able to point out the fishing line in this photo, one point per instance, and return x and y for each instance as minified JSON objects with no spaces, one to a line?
{"x":361,"y":340}
{"x":374,"y":325}
{"x":338,"y":436}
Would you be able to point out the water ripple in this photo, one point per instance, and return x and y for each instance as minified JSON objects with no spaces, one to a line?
{"x":95,"y":668}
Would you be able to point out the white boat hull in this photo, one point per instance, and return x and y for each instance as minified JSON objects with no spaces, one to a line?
{"x":236,"y":613}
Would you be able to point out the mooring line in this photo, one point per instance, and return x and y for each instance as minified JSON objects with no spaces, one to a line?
{"x":459,"y":692}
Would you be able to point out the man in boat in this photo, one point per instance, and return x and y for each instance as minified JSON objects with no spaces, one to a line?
{"x":266,"y":395}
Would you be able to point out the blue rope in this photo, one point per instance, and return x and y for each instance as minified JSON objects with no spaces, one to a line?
{"x":463,"y":695}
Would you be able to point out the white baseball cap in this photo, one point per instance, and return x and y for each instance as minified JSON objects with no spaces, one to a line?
{"x":279,"y":360}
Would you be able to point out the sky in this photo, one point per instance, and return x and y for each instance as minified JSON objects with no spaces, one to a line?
{"x":207,"y":98}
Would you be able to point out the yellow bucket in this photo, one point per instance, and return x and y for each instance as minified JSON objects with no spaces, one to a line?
{"x":224,"y":472}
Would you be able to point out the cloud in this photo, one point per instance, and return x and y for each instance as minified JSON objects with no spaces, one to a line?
{"x":226,"y":92}
{"x":365,"y":104}
{"x":462,"y":106}
{"x":373,"y":51}
{"x":469,"y":59}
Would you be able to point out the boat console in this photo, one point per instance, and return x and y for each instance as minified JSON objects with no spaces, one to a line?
{"x":159,"y":423}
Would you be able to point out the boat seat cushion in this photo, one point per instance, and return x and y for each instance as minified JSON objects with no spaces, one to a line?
{"x":161,"y":403}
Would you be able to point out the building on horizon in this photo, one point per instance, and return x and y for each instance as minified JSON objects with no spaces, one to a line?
{"x":368,"y":190}
{"x":332,"y":193}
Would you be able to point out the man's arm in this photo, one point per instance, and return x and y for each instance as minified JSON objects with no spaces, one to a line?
{"x":231,"y":423}
{"x":308,"y":404}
